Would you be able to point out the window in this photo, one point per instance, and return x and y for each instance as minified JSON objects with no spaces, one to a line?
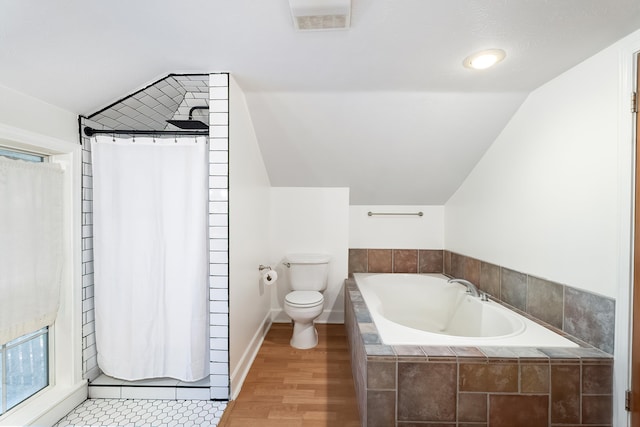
{"x":67,"y":388}
{"x":24,"y":368}
{"x":24,"y":361}
{"x":21,"y":155}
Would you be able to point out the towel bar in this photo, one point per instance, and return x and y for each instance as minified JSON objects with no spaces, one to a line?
{"x":395,"y":213}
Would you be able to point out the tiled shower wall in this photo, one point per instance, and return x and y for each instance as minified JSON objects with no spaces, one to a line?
{"x":587,"y":316}
{"x":150,"y":107}
{"x":218,"y":240}
{"x":89,"y":353}
{"x":219,"y":234}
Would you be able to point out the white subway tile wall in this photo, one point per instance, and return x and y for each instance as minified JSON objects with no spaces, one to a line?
{"x":219,"y":235}
{"x":89,"y":353}
{"x":105,"y":387}
{"x":148,"y":109}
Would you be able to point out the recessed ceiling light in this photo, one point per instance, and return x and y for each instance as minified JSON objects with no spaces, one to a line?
{"x":484,"y":59}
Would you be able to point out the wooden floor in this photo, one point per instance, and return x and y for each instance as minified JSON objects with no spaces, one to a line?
{"x":287,"y":387}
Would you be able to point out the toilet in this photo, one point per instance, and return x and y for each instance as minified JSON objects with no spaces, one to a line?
{"x":308,"y":277}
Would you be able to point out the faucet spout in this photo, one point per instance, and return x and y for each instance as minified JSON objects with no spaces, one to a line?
{"x":471,"y":288}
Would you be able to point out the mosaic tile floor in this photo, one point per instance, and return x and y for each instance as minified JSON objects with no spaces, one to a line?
{"x":144,"y":413}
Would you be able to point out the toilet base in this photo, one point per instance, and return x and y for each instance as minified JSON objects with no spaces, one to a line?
{"x":305,"y":336}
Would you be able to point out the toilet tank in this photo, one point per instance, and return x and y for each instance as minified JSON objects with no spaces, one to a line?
{"x":308,"y":272}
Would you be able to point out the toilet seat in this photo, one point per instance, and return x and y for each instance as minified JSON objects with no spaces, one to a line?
{"x":304,"y":298}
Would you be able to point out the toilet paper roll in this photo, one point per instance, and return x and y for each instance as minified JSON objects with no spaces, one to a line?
{"x":269,"y":277}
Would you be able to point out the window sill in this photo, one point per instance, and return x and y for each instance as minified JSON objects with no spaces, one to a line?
{"x":46,"y":407}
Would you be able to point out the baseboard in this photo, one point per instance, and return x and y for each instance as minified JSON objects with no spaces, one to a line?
{"x":240,"y":372}
{"x":332,"y":316}
{"x":328,"y":316}
{"x":279,"y":316}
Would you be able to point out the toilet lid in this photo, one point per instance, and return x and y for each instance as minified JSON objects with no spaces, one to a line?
{"x":304,"y":298}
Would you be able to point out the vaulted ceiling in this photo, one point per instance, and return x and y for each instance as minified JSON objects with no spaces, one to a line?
{"x":385,"y":107}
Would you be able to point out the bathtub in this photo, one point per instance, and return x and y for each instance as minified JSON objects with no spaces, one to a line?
{"x":423,"y":309}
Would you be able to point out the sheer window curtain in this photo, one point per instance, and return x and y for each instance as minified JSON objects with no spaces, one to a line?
{"x":31,"y":246}
{"x":150,"y":255}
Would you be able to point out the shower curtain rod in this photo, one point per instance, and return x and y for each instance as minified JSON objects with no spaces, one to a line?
{"x":91,"y":131}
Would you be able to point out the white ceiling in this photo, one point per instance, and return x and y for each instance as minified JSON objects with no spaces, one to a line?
{"x":384,"y":108}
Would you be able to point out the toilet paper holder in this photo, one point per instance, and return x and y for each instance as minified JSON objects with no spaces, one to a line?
{"x":264,"y":267}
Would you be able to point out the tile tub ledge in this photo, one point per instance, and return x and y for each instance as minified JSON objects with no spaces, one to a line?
{"x":396,"y":384}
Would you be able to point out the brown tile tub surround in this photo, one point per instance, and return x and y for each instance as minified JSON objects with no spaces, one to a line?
{"x":395,"y":261}
{"x":474,"y":386}
{"x":587,"y":316}
{"x":584,"y":315}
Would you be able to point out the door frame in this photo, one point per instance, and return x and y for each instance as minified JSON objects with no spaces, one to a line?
{"x":633,"y":398}
{"x":626,"y":199}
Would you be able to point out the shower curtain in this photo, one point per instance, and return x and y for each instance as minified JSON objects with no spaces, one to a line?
{"x":150,"y":257}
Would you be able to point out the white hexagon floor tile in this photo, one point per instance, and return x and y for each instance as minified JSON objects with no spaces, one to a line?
{"x":144,"y":413}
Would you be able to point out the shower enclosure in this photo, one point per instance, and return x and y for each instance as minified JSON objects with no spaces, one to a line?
{"x":195,"y":104}
{"x":150,"y":255}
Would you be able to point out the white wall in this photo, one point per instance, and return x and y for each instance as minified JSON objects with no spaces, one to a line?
{"x":543,"y":199}
{"x":249,"y":301}
{"x":313,"y":129}
{"x":553,"y":194}
{"x":310,"y":220}
{"x":396,"y":232}
{"x":31,"y":114}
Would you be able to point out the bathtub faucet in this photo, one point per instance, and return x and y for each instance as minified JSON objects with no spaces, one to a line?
{"x":471,"y":288}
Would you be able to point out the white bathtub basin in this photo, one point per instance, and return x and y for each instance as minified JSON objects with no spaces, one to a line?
{"x":412,"y":309}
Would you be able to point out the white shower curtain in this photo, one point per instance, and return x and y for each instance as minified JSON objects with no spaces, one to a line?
{"x":150,"y":256}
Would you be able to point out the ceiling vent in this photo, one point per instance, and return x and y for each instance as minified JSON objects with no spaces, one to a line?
{"x":316,"y":15}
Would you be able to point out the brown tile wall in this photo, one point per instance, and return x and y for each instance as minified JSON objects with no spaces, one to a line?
{"x":475,"y":386}
{"x":582,"y":314}
{"x":395,"y":261}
